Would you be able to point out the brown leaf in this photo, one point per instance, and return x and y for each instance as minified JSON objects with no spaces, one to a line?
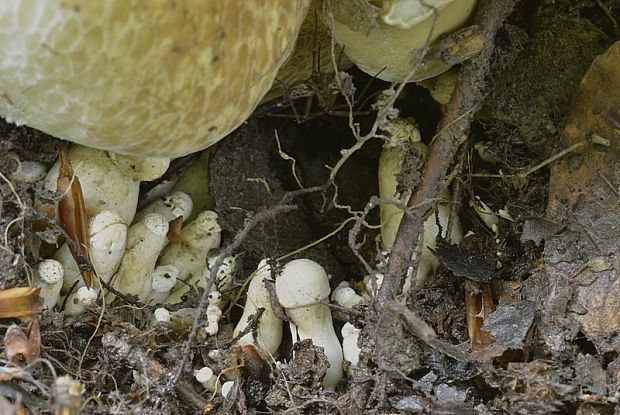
{"x":174,"y":230}
{"x":17,"y":343}
{"x":72,"y":215}
{"x":19,"y":302}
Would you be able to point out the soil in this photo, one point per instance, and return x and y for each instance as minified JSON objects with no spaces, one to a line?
{"x":550,"y":273}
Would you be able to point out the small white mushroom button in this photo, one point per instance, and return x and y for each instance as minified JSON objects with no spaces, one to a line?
{"x":207,"y":379}
{"x":49,"y":277}
{"x":162,"y":315}
{"x":163,"y":278}
{"x":78,"y":301}
{"x":345,"y":296}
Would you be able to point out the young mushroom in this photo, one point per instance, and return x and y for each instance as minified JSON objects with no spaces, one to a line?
{"x":345,"y":296}
{"x":402,"y":144}
{"x":104,"y":185}
{"x":48,"y":278}
{"x":350,"y":349}
{"x":145,"y":241}
{"x":163,"y":279}
{"x":302,"y":289}
{"x":78,"y":300}
{"x":198,"y":239}
{"x":207,"y":379}
{"x":171,"y":206}
{"x":269,"y":328}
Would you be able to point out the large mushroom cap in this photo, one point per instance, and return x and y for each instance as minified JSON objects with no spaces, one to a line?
{"x":303,"y":282}
{"x":156,"y":78}
{"x":385,"y":37}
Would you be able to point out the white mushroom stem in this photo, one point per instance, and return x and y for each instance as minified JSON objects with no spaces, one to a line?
{"x":302,"y":288}
{"x":145,"y":241}
{"x":163,"y":278}
{"x":269,"y":327}
{"x":104,"y":185}
{"x":108,"y":238}
{"x":403,"y":137}
{"x":345,"y":296}
{"x":214,"y":313}
{"x":171,"y":206}
{"x":350,"y":349}
{"x":207,"y":379}
{"x":198,"y":238}
{"x":48,"y":278}
{"x":79,"y":300}
{"x":227,"y":387}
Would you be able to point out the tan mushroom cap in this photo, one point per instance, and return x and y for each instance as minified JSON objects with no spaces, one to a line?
{"x":302,"y":282}
{"x":155,"y":78}
{"x":385,"y":37}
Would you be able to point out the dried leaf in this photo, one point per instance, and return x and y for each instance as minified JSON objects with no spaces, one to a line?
{"x":17,"y":343}
{"x":174,"y":230}
{"x":72,"y":215}
{"x":538,"y":229}
{"x":19,"y":302}
{"x":510,"y":323}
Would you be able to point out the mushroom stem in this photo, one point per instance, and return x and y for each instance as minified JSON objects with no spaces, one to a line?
{"x":145,"y":241}
{"x":269,"y":328}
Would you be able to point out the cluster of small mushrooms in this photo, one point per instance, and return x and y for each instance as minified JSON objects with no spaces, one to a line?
{"x":138,"y":84}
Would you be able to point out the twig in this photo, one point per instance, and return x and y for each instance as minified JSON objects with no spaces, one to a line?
{"x":452,"y":132}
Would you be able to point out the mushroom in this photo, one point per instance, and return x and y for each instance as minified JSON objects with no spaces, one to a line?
{"x":350,"y":349}
{"x":107,"y":237}
{"x":403,"y":138}
{"x":145,"y":241}
{"x":214,"y":313}
{"x":163,"y":279}
{"x":198,"y":238}
{"x":27,"y":171}
{"x":302,"y":289}
{"x":207,"y":379}
{"x":49,"y":278}
{"x":104,"y":185}
{"x":269,"y":327}
{"x":78,"y":300}
{"x":147,"y":81}
{"x":386,"y":41}
{"x":345,"y":296}
{"x":171,"y":206}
